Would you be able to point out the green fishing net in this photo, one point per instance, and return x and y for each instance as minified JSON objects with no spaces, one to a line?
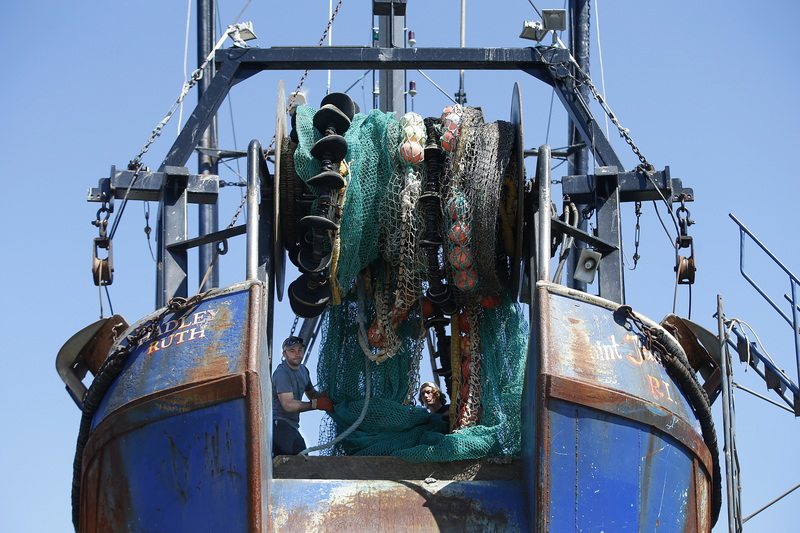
{"x":374,"y":333}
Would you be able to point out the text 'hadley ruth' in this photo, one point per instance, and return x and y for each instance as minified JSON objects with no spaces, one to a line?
{"x":185,"y":329}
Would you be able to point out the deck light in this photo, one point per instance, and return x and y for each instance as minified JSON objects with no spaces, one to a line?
{"x":552,"y":20}
{"x":533,"y":30}
{"x":240,"y":33}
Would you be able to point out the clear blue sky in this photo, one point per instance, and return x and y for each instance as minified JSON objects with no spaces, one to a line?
{"x":707,"y":89}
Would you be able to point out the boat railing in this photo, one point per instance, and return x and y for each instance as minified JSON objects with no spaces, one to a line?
{"x":750,"y":352}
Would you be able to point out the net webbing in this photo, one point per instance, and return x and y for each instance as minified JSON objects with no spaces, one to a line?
{"x":382,"y":222}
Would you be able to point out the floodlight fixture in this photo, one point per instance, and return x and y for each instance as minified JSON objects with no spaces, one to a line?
{"x":554,"y":19}
{"x":533,"y":30}
{"x":240,"y":33}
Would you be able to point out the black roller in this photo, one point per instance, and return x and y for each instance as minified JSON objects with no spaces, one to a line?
{"x":308,"y":264}
{"x":342,"y":102}
{"x":329,"y":117}
{"x":427,"y":243}
{"x":307,"y":298}
{"x":330,"y":179}
{"x":293,"y":132}
{"x":319,"y":222}
{"x":443,"y":299}
{"x":332,"y":147}
{"x":435,"y":321}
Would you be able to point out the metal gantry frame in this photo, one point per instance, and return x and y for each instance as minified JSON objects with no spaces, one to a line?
{"x":175,"y":188}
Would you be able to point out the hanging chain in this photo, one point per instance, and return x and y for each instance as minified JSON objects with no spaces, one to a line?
{"x":291,"y":101}
{"x":649,"y":340}
{"x":644,"y":165}
{"x":624,"y":132}
{"x":320,"y":43}
{"x":637,"y":233}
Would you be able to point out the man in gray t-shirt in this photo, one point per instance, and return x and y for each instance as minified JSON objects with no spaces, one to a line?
{"x":289,"y":382}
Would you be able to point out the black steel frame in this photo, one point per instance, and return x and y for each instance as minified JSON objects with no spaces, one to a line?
{"x":174,"y":187}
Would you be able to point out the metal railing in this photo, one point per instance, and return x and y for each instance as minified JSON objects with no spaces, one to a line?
{"x":772,"y":374}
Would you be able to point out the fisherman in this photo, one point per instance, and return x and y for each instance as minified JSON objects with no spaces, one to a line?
{"x":289,"y":381}
{"x":436,"y":402}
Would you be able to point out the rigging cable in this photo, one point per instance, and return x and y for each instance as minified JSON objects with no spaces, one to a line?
{"x":136,"y":163}
{"x":535,"y":8}
{"x":185,"y":55}
{"x":291,"y":98}
{"x":440,"y":89}
{"x":600,"y":54}
{"x":228,"y":96}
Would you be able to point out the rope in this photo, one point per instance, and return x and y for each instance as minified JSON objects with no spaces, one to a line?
{"x":362,"y":336}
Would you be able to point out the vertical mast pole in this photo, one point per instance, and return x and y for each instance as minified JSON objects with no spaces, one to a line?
{"x":208,"y":215}
{"x":579,"y":160}
{"x":391,"y":34}
{"x":461,"y":95}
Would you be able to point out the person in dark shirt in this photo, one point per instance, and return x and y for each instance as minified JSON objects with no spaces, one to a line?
{"x":289,"y":382}
{"x":435,"y":401}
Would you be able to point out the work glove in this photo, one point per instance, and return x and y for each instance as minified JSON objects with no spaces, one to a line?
{"x":323,"y":403}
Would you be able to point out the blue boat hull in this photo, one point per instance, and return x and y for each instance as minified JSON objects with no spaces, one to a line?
{"x":181,"y":441}
{"x":611,"y":441}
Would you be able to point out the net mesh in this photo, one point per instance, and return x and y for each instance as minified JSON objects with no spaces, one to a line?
{"x":373,"y":337}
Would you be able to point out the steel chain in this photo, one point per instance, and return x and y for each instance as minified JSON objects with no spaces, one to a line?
{"x":644,"y":165}
{"x":650,"y":342}
{"x":289,"y":104}
{"x":637,"y":233}
{"x":586,"y":80}
{"x":146,"y":330}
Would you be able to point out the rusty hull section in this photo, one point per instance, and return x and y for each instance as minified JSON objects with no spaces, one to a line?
{"x":617,"y":446}
{"x":303,"y":505}
{"x":177,"y":441}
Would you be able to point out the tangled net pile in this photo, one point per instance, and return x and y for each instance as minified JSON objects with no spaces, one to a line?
{"x":375,"y":330}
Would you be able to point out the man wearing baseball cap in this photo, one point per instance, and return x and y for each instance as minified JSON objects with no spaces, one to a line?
{"x":289,"y":382}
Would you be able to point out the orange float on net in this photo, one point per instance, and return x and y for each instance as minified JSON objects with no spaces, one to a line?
{"x":412,"y":152}
{"x":451,"y":121}
{"x":460,"y":257}
{"x":458,"y":207}
{"x":449,"y":140}
{"x":459,"y":233}
{"x":466,"y":280}
{"x":490,"y":302}
{"x":463,"y":325}
{"x":397,"y":318}
{"x":428,"y":309}
{"x":465,"y":374}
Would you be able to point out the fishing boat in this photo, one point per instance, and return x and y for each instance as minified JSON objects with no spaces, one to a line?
{"x":406,"y":237}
